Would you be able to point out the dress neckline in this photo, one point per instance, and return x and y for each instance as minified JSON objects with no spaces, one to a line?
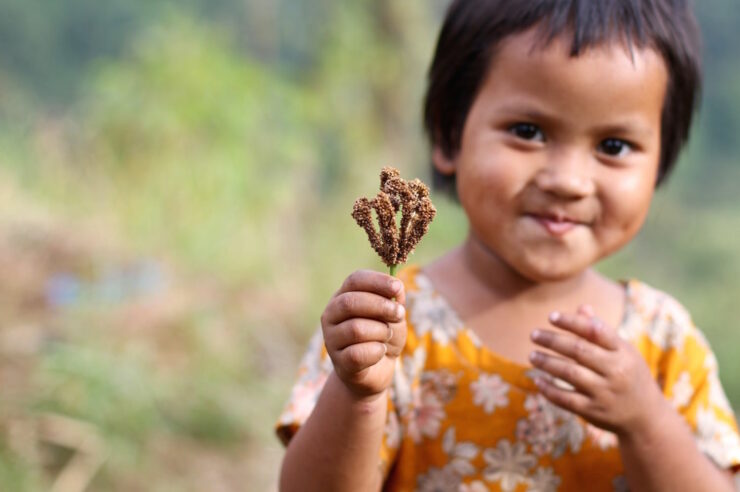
{"x":487,"y":352}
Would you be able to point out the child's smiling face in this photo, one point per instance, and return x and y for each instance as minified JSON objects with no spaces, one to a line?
{"x":559,"y":155}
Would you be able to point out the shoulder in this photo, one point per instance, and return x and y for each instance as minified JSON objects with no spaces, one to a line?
{"x":658,"y":315}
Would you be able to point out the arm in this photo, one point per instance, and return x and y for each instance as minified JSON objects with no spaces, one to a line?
{"x":664,"y":456}
{"x":614,"y":390}
{"x":338,"y":447}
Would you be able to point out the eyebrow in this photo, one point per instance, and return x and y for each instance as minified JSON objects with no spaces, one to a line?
{"x":625,"y":126}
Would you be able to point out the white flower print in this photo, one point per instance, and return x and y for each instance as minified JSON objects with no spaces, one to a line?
{"x":603,"y":438}
{"x":304,"y":397}
{"x":460,"y":454}
{"x":682,"y":390}
{"x":438,"y":480}
{"x":508,"y":465}
{"x":490,"y":391}
{"x":717,"y":395}
{"x":425,"y":415}
{"x":716,"y":438}
{"x":392,"y":431}
{"x":474,"y":486}
{"x":407,"y":371}
{"x":430,"y":313}
{"x":544,"y":480}
{"x":444,"y":383}
{"x":549,"y":429}
{"x":671,"y":326}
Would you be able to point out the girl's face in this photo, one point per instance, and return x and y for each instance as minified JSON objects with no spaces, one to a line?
{"x":559,"y":155}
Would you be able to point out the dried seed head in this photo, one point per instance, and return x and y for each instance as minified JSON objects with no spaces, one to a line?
{"x":395,"y":244}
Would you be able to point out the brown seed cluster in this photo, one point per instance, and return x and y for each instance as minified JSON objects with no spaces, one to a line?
{"x":395,"y":242}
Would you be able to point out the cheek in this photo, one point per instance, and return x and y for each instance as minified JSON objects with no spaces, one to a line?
{"x":627,"y":204}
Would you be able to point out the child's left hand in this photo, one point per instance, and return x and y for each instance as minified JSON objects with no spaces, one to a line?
{"x":613,"y":387}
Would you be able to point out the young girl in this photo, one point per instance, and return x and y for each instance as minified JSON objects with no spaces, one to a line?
{"x":514,"y":365}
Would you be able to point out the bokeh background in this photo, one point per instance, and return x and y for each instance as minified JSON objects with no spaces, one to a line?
{"x":175,"y":185}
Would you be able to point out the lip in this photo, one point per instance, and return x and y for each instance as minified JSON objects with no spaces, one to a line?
{"x":556,"y":226}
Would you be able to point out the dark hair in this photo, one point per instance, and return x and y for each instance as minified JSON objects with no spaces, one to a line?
{"x":473,"y":29}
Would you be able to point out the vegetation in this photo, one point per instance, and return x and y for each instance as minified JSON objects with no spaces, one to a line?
{"x":175,"y":187}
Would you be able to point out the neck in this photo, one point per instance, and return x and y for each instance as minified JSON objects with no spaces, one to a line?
{"x":503,"y":282}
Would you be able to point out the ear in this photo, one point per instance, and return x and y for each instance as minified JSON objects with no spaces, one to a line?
{"x":442,"y":163}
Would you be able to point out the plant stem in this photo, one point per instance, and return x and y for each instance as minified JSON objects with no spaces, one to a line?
{"x":393,"y":270}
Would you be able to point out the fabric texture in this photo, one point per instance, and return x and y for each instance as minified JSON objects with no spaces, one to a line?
{"x":462,"y":418}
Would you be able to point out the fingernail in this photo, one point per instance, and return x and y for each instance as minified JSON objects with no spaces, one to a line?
{"x":554,"y":316}
{"x":396,"y":285}
{"x":535,"y":356}
{"x":390,"y":335}
{"x":536,"y":335}
{"x":400,"y":311}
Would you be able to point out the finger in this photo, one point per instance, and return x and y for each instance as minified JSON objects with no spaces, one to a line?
{"x":360,"y":356}
{"x":371,"y":281}
{"x":581,"y":378}
{"x":569,"y":400}
{"x":398,"y":338}
{"x":586,"y":310}
{"x":590,"y":328}
{"x":362,"y":305}
{"x":579,"y":349}
{"x":356,"y":330}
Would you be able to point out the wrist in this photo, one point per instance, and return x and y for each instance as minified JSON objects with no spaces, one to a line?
{"x":365,"y":402}
{"x":647,"y":428}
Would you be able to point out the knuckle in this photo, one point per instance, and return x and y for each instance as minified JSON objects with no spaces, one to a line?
{"x":346,"y":303}
{"x":355,"y":357}
{"x":580,"y":350}
{"x":352,"y":280}
{"x":570,"y":372}
{"x":355,"y":330}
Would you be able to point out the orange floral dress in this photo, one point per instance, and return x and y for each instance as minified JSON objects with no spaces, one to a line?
{"x":462,"y":418}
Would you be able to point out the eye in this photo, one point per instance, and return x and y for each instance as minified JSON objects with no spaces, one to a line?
{"x":614,"y":147}
{"x":527,"y":131}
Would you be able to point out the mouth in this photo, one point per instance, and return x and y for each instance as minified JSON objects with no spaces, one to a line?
{"x":555,"y":224}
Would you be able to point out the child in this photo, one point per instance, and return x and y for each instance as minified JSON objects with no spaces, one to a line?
{"x":514,"y":365}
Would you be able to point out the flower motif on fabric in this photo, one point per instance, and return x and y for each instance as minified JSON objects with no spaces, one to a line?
{"x":544,"y":480}
{"x":682,"y":390}
{"x":460,"y":454}
{"x":508,"y":465}
{"x":671,"y":326}
{"x":474,"y":486}
{"x":449,"y":477}
{"x":716,"y":438}
{"x":392,"y":431}
{"x":431,"y":314}
{"x":424,"y":417}
{"x":438,"y":480}
{"x":490,"y":392}
{"x":549,"y":429}
{"x":422,"y":409}
{"x":602,"y":438}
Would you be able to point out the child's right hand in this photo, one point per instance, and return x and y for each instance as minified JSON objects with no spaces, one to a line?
{"x":365,"y":331}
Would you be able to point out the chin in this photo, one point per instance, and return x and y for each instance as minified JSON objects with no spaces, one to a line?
{"x":552,"y":271}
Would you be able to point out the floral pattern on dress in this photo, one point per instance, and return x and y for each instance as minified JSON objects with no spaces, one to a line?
{"x":490,"y":391}
{"x":549,"y":429}
{"x":508,"y":464}
{"x":462,"y":418}
{"x":431,"y":314}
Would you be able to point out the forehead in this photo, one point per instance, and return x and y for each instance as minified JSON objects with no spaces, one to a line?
{"x":603,"y":80}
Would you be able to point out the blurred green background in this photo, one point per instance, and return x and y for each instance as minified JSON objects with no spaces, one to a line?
{"x":175,"y":185}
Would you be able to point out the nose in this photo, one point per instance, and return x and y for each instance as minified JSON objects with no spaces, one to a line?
{"x":566,"y":175}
